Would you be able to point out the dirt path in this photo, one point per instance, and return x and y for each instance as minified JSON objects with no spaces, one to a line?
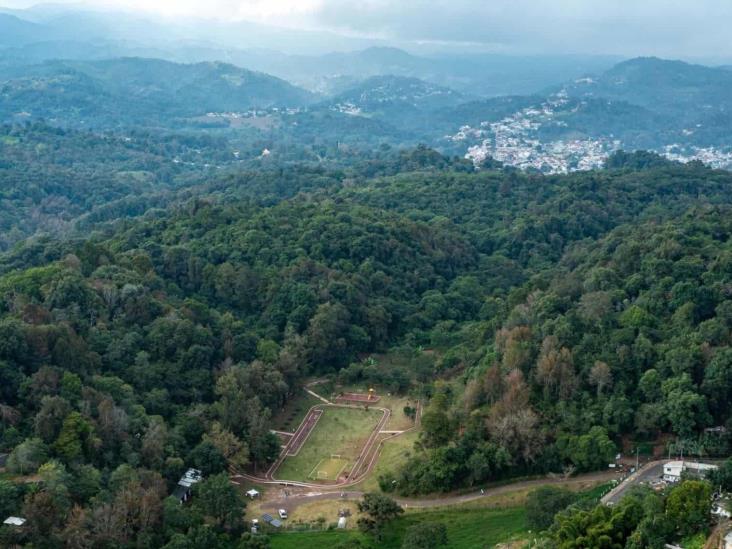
{"x":301,"y":497}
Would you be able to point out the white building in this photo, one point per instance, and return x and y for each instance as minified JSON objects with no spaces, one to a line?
{"x":673,"y":470}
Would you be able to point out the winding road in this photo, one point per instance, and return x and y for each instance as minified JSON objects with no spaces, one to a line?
{"x":297,"y":498}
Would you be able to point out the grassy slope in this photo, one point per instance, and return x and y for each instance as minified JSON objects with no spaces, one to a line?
{"x":393,"y":455}
{"x":466,"y":528}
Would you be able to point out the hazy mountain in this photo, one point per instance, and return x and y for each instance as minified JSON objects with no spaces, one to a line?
{"x":661,"y":85}
{"x":133,"y":90}
{"x":17,"y":32}
{"x":388,"y":92}
{"x":480,"y":75}
{"x":324,"y":62}
{"x":693,"y":102}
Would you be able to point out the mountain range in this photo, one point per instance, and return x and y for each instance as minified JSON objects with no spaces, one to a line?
{"x":126,"y":91}
{"x":113,"y":70}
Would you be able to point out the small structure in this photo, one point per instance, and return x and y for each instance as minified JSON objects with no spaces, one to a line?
{"x":14,"y":521}
{"x":341,"y":522}
{"x":358,"y":398}
{"x":252,"y":493}
{"x":269,"y":519}
{"x":673,"y":470}
{"x":182,"y":490}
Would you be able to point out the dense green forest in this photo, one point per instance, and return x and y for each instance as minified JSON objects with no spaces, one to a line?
{"x":563,"y":315}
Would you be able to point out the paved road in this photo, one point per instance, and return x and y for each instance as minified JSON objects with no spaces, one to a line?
{"x":651,"y":471}
{"x":297,"y":498}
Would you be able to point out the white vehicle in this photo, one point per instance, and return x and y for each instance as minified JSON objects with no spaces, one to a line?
{"x":282,"y":513}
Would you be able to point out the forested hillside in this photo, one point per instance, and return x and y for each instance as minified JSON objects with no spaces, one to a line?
{"x":120,"y":93}
{"x":562,"y":315}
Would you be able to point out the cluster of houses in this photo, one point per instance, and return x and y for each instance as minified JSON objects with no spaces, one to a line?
{"x":515,"y":141}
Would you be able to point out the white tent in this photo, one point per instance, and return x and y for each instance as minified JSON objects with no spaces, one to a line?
{"x":252,"y":493}
{"x":342,"y":522}
{"x":14,"y":521}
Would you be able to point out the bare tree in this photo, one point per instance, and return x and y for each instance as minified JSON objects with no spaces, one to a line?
{"x":600,"y":376}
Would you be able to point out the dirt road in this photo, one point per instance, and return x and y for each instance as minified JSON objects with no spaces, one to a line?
{"x":297,"y":497}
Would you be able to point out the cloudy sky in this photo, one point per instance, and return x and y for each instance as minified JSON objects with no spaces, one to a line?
{"x":627,"y":27}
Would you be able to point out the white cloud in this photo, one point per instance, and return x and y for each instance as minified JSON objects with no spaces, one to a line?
{"x":626,"y":27}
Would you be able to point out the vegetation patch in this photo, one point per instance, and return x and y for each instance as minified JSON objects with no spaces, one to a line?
{"x":466,"y":529}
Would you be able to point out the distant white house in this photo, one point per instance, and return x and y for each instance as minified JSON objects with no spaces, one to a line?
{"x":673,"y":470}
{"x":14,"y":521}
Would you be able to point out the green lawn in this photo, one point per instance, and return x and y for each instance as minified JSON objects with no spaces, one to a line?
{"x":341,"y":431}
{"x":394,"y":454}
{"x":328,"y":469}
{"x":466,"y":529}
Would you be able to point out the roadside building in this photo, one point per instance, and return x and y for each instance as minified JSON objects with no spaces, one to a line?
{"x":673,"y":470}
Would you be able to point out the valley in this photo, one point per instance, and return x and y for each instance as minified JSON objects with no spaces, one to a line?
{"x":409,"y":275}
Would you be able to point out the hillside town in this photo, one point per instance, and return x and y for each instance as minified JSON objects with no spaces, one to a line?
{"x":515,"y":140}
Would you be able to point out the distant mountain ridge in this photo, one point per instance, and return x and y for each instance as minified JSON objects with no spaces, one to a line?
{"x":661,"y":85}
{"x":389,"y":91}
{"x":15,"y":31}
{"x":136,"y":90}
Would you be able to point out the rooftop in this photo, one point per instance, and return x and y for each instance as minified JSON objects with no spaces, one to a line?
{"x":191,"y":477}
{"x":14,"y":521}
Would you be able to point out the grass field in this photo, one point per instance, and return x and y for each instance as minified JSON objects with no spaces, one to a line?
{"x":328,"y":469}
{"x":395,"y":453}
{"x":466,"y":528}
{"x":396,"y":403}
{"x":341,"y":431}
